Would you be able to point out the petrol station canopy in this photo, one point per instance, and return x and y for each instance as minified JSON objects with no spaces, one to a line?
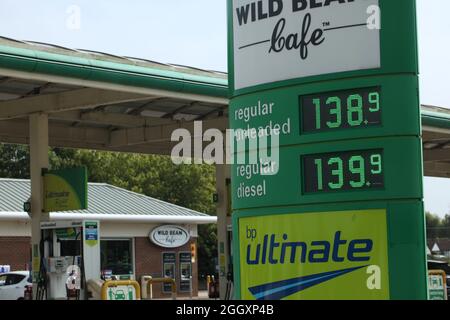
{"x":105,"y":102}
{"x":100,"y":101}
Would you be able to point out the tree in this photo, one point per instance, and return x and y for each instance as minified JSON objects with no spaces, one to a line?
{"x":445,"y":227}
{"x":207,"y":250}
{"x":14,"y":161}
{"x":437,"y":227}
{"x":433,"y":223}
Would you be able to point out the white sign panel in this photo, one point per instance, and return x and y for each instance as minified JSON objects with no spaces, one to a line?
{"x":125,"y":293}
{"x":169,"y":236}
{"x":278,"y":40}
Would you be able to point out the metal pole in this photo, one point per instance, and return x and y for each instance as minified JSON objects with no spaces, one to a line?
{"x":223,"y":220}
{"x":38,"y":161}
{"x":190,"y":287}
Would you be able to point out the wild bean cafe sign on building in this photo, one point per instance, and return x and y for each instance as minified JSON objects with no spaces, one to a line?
{"x":336,"y":81}
{"x":169,"y":236}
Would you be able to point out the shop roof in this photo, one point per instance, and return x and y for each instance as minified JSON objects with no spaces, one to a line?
{"x":105,"y":202}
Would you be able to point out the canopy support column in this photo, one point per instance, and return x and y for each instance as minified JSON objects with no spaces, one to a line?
{"x":38,"y":160}
{"x":223,"y":225}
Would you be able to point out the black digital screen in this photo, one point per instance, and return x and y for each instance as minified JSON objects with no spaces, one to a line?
{"x":343,"y":171}
{"x":358,"y":108}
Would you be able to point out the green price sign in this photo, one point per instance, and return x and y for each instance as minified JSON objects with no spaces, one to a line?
{"x":341,"y":110}
{"x":339,"y":100}
{"x":312,"y":113}
{"x":343,"y":171}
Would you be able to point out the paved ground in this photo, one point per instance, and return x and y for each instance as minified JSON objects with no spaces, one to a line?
{"x":202,"y":295}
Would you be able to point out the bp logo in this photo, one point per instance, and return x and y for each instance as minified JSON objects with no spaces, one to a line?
{"x":333,"y":255}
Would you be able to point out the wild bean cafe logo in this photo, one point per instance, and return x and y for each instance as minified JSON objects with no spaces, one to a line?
{"x":169,"y":236}
{"x":307,"y":36}
{"x":327,"y":255}
{"x":279,"y":40}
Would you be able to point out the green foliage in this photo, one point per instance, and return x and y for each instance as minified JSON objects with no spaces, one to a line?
{"x":207,"y":250}
{"x":190,"y":186}
{"x":437,"y":227}
{"x":156,"y":176}
{"x":14,"y":161}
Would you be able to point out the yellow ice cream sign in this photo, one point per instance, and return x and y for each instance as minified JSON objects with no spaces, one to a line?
{"x":65,"y":190}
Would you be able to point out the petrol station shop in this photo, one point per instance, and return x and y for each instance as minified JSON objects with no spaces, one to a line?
{"x":139,"y":236}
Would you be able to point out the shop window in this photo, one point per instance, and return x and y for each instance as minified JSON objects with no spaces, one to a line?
{"x":117,"y":257}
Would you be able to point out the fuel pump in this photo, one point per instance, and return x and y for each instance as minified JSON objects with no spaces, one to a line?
{"x":70,"y":252}
{"x":62,"y":249}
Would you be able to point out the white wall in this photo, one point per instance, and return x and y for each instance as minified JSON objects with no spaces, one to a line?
{"x":15,"y":229}
{"x":122,"y":230}
{"x":107,"y":229}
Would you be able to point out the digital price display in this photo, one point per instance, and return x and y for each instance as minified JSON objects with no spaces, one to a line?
{"x":357,"y":108}
{"x":343,"y":171}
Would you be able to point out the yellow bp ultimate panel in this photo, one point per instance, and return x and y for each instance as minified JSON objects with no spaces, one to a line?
{"x":325,"y":255}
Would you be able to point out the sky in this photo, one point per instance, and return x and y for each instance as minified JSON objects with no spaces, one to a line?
{"x":194,"y":33}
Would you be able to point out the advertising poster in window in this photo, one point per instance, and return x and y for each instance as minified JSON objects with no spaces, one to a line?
{"x":185,"y":271}
{"x":169,"y":260}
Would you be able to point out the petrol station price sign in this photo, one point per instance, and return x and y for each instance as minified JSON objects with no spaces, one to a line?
{"x":337,"y":83}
